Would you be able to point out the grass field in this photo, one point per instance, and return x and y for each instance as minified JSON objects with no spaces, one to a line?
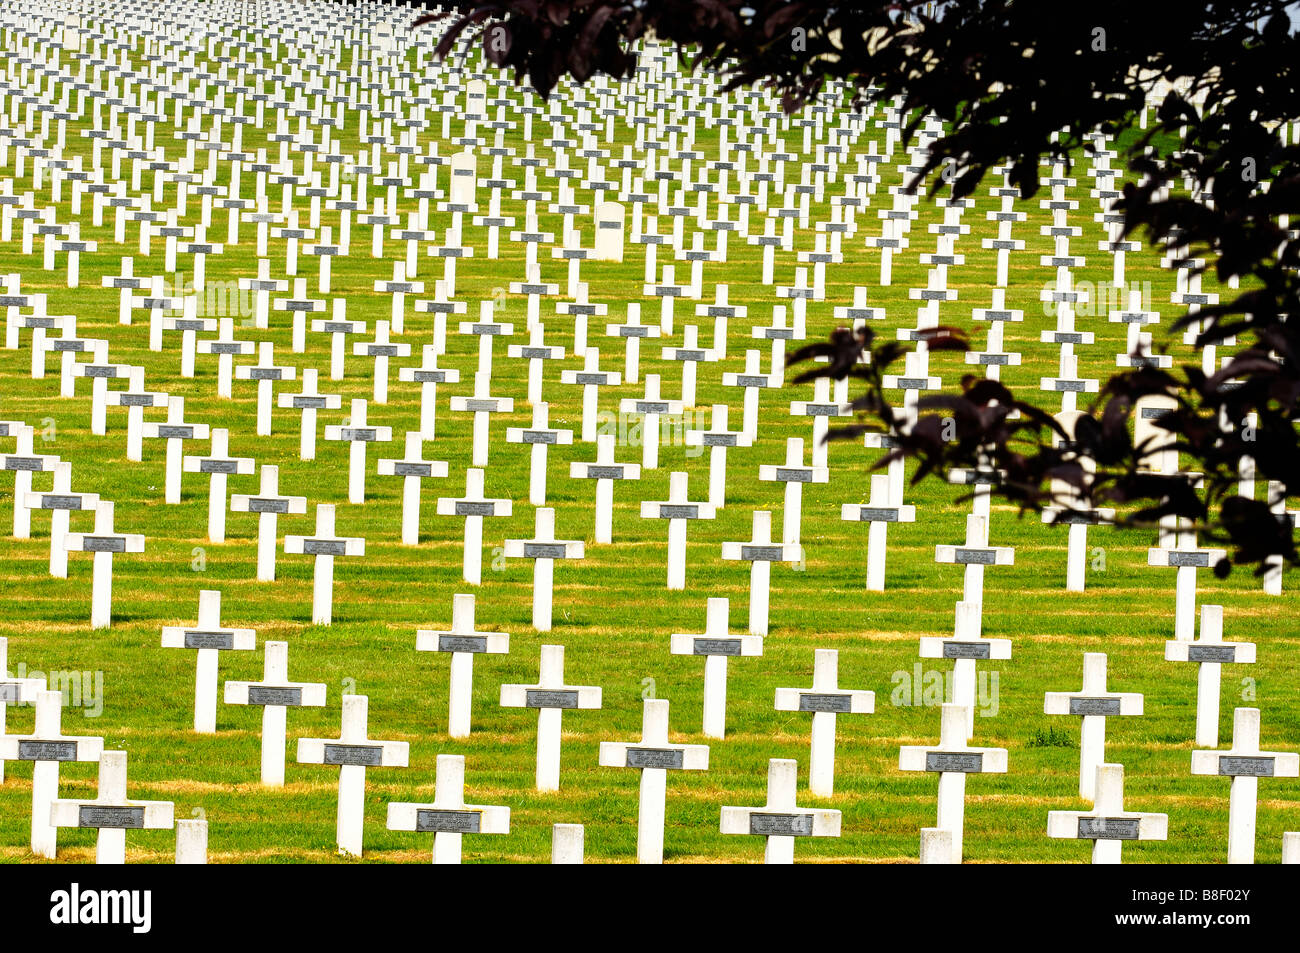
{"x":612,"y":611}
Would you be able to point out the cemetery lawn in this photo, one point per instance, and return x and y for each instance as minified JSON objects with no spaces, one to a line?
{"x":611,"y":610}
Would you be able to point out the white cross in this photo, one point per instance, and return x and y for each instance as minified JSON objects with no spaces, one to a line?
{"x":269,"y":505}
{"x":1108,"y":825}
{"x":324,"y":545}
{"x":219,"y":466}
{"x":308,"y":402}
{"x":274,"y":694}
{"x":381,"y":349}
{"x":716,"y":645}
{"x":794,"y":475}
{"x":225,"y":347}
{"x":176,"y":430}
{"x":1245,"y":763}
{"x":1210,"y":652}
{"x":878,"y":513}
{"x":1093,"y":704}
{"x":975,"y":554}
{"x":718,"y":439}
{"x":539,"y":437}
{"x":690,"y":354}
{"x":209,"y":638}
{"x":550,"y":696}
{"x":632,"y":331}
{"x":482,"y":405}
{"x":111,"y":812}
{"x":266,"y":373}
{"x":591,"y":378}
{"x":22,"y":464}
{"x":543,"y":549}
{"x":536,"y":352}
{"x":429,"y":375}
{"x":760,"y":552}
{"x":1186,"y":559}
{"x":135,"y":399}
{"x":474,"y":506}
{"x":463,"y":641}
{"x":448,"y":818}
{"x":752,"y":381}
{"x":781,"y":820}
{"x":353,"y":752}
{"x":47,"y":746}
{"x":654,"y":756}
{"x":650,"y":407}
{"x":357,"y":434}
{"x":953,"y":759}
{"x":14,"y":691}
{"x":103,"y":542}
{"x":677,"y":510}
{"x":412,"y":468}
{"x":825,"y":700}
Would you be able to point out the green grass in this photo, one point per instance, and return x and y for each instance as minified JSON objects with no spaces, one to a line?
{"x":612,"y":611}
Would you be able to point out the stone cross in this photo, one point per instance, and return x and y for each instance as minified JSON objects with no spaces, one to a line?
{"x":716,"y":645}
{"x":677,"y":510}
{"x":103,"y":542}
{"x":463,"y":641}
{"x":781,"y":820}
{"x":1210,"y":653}
{"x":1093,"y":704}
{"x":324,"y":545}
{"x":539,"y":437}
{"x":275,"y":694}
{"x":208,"y":638}
{"x":269,"y":505}
{"x":61,"y":502}
{"x":357,"y":435}
{"x":111,"y":812}
{"x":1108,"y":825}
{"x":825,"y":700}
{"x":654,"y":756}
{"x":474,"y":506}
{"x":760,"y":552}
{"x":550,"y":696}
{"x":353,"y":752}
{"x":219,"y":466}
{"x":448,"y":818}
{"x":543,"y":549}
{"x":412,"y":468}
{"x":175,"y":431}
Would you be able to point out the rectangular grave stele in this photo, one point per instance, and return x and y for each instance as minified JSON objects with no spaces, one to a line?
{"x":543,"y":550}
{"x":543,"y":698}
{"x":262,"y":505}
{"x":781,"y":825}
{"x":266,"y":695}
{"x":715,"y":647}
{"x":655,"y":758}
{"x":370,"y":756}
{"x":47,"y":751}
{"x":1250,"y":767}
{"x":1108,"y":828}
{"x":324,"y":547}
{"x":966,"y":763}
{"x":976,"y":650}
{"x":1094,"y":706}
{"x":448,"y":822}
{"x":1211,"y":653}
{"x":462,"y":643}
{"x":122,"y":817}
{"x":198,"y":639}
{"x":818,"y":702}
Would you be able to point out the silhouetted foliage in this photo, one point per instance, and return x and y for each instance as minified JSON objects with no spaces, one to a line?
{"x":1015,"y":82}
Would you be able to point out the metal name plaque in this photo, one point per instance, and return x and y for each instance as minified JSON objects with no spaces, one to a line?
{"x":262,"y":695}
{"x":9,"y":692}
{"x":1200,"y":560}
{"x":357,"y":433}
{"x":980,"y":557}
{"x":544,"y":550}
{"x":324,"y":547}
{"x":136,"y":400}
{"x":655,"y":758}
{"x":1071,"y":385}
{"x":52,"y":501}
{"x":369,"y":756}
{"x":448,"y":822}
{"x":1249,"y":767}
{"x":604,"y":473}
{"x":308,"y":402}
{"x":539,"y":436}
{"x":976,"y":650}
{"x":871,"y":514}
{"x":951,"y":761}
{"x":429,"y":377}
{"x":715,"y":647}
{"x":1108,"y":828}
{"x":762,"y":553}
{"x":1094,"y":706}
{"x":35,"y":464}
{"x":198,"y":639}
{"x":794,"y":476}
{"x":47,"y":751}
{"x":218,"y":466}
{"x":401,"y":468}
{"x":122,"y":817}
{"x":841,"y":704}
{"x":541,"y":698}
{"x":462,"y":643}
{"x":781,"y":825}
{"x":481,"y":406}
{"x":1211,"y":653}
{"x":674,"y":512}
{"x":470,"y":508}
{"x":264,"y":505}
{"x":720,"y":439}
{"x":103,"y":544}
{"x":751,"y":380}
{"x":1155,"y":413}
